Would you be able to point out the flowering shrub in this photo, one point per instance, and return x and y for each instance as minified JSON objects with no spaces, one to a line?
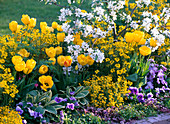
{"x":105,"y":51}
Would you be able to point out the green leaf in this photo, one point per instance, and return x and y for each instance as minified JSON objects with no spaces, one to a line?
{"x":58,"y":107}
{"x":78,"y":89}
{"x":85,"y":92}
{"x":80,"y":95}
{"x":40,"y":109}
{"x":83,"y":101}
{"x":132,"y":77}
{"x":51,"y":109}
{"x":55,"y":80}
{"x":33,"y":93}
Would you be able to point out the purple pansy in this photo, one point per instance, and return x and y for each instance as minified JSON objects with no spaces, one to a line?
{"x":149,"y":85}
{"x":24,"y":121}
{"x":72,"y":93}
{"x":140,"y":97}
{"x":76,"y":104}
{"x":19,"y":110}
{"x":72,"y":98}
{"x":149,"y":95}
{"x":19,"y":104}
{"x":70,"y":106}
{"x":58,"y":99}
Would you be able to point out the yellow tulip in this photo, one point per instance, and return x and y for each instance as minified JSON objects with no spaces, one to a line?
{"x":46,"y":82}
{"x":25,"y":19}
{"x":61,"y":60}
{"x":142,"y":42}
{"x":83,"y":11}
{"x":129,"y":37}
{"x":59,"y":28}
{"x":51,"y":52}
{"x":20,"y":66}
{"x":27,"y":70}
{"x":32,"y":22}
{"x":43,"y":69}
{"x":19,"y":28}
{"x":68,"y":61}
{"x":54,"y":25}
{"x":54,"y":60}
{"x":60,"y":37}
{"x":90,"y":60}
{"x":82,"y":59}
{"x":58,"y":50}
{"x":45,"y":29}
{"x":153,"y":42}
{"x":30,"y":64}
{"x":168,"y":25}
{"x":13,"y":26}
{"x":42,"y":24}
{"x":138,"y":36}
{"x":16,"y":59}
{"x":24,"y":53}
{"x":144,"y":50}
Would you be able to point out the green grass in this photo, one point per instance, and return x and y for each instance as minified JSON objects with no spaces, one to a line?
{"x":12,"y":10}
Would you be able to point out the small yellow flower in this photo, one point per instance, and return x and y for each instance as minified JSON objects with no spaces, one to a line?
{"x":60,"y":37}
{"x":46,"y":82}
{"x":25,"y":19}
{"x":83,"y":11}
{"x":168,"y":25}
{"x":32,"y":22}
{"x":76,"y":67}
{"x":51,"y":52}
{"x":54,"y":25}
{"x":43,"y":69}
{"x":16,"y":59}
{"x":61,"y":60}
{"x":24,"y":53}
{"x":27,"y":70}
{"x":54,"y":60}
{"x":59,"y":28}
{"x":51,"y":29}
{"x":19,"y":28}
{"x":45,"y":29}
{"x":58,"y":50}
{"x":13,"y":26}
{"x":20,"y":66}
{"x":144,"y":50}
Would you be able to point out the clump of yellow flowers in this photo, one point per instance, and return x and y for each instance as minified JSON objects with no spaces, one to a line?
{"x":106,"y":93}
{"x":8,"y":116}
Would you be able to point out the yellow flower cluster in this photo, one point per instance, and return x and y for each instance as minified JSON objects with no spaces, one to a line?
{"x":7,"y":82}
{"x":104,"y":92}
{"x":8,"y":116}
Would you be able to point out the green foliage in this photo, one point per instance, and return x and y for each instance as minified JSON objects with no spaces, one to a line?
{"x":137,"y":111}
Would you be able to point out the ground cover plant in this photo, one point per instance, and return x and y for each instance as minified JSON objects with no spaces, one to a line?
{"x":106,"y":64}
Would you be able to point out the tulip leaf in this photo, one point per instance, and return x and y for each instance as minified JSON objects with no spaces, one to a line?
{"x":40,"y":109}
{"x":51,"y":109}
{"x":132,"y":77}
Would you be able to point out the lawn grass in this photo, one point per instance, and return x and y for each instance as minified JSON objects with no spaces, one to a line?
{"x":12,"y":10}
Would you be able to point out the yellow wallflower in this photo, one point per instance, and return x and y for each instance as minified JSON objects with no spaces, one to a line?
{"x":25,"y":19}
{"x":16,"y":59}
{"x":32,"y":22}
{"x":20,"y":66}
{"x":24,"y":53}
{"x":43,"y":69}
{"x":54,"y":60}
{"x":46,"y":82}
{"x":144,"y":50}
{"x":51,"y":52}
{"x":13,"y":26}
{"x":54,"y":25}
{"x":60,"y":37}
{"x":58,"y":50}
